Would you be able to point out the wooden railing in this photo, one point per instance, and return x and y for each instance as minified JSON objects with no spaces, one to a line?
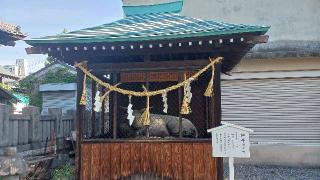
{"x":148,"y":159}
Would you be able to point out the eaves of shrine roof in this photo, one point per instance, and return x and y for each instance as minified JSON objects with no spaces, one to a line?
{"x":154,"y":26}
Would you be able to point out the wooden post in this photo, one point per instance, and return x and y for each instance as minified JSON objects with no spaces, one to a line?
{"x":34,"y":113}
{"x":231,"y":168}
{"x":147,"y":87}
{"x":103,"y":109}
{"x":93,"y":113}
{"x":56,"y":113}
{"x":216,"y":111}
{"x":4,"y":124}
{"x":115,"y":108}
{"x":79,"y":122}
{"x":207,"y":112}
{"x":180,"y":105}
{"x":147,"y":59}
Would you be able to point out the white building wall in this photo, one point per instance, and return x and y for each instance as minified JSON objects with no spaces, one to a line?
{"x":289,"y":19}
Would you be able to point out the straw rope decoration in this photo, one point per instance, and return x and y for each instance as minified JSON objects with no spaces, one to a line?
{"x":145,"y":117}
{"x":148,"y":93}
{"x":99,"y":99}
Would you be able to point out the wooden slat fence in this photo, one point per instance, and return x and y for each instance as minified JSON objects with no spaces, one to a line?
{"x":31,"y":127}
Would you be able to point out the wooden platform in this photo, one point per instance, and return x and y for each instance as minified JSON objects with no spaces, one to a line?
{"x":147,"y":159}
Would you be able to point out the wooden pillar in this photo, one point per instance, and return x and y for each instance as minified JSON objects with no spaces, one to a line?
{"x":217,"y":96}
{"x":103,"y":109}
{"x":180,"y":94}
{"x":147,"y":60}
{"x":79,"y":122}
{"x":115,"y":108}
{"x":216,"y":112}
{"x":147,"y":87}
{"x":93,"y":113}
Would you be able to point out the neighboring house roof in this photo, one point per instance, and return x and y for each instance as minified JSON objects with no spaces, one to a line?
{"x":58,"y":87}
{"x":56,"y":64}
{"x":4,"y":94}
{"x":157,"y":26}
{"x":6,"y":74}
{"x":10,"y":33}
{"x":285,"y":49}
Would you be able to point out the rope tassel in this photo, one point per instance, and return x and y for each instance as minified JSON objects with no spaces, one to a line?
{"x":209,"y":90}
{"x":83,"y":100}
{"x":145,"y":117}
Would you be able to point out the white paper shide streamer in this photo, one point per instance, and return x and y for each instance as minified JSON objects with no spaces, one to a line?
{"x":97,"y":102}
{"x":130,"y":112}
{"x":187,"y":92}
{"x":165,"y":102}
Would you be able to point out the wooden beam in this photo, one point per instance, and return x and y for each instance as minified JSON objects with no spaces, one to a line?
{"x":35,"y":50}
{"x":257,"y":39}
{"x":102,"y":56}
{"x":125,"y":47}
{"x":147,"y":66}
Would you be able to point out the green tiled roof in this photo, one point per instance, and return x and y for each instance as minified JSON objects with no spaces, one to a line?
{"x":149,"y":27}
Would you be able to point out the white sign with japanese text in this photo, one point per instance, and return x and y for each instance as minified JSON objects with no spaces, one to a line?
{"x":230,"y":140}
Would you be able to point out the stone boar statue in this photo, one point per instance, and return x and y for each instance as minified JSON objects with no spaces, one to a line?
{"x":161,"y":126}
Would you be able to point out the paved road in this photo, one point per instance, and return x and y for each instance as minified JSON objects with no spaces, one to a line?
{"x":246,"y":172}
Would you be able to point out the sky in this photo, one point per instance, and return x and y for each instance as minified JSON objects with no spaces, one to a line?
{"x":49,"y":17}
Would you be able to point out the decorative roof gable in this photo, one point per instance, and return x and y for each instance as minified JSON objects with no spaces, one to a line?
{"x":10,"y":33}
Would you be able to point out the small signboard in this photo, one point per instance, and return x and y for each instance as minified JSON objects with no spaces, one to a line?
{"x":229,"y":140}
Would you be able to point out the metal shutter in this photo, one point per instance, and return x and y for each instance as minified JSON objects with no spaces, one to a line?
{"x":285,"y":110}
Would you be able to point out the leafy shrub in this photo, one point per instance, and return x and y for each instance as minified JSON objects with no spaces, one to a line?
{"x":64,"y":173}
